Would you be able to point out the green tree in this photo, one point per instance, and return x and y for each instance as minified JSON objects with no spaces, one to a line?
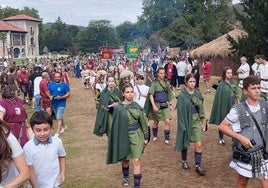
{"x":127,"y":31}
{"x":186,"y":23}
{"x":255,"y":23}
{"x":8,"y":11}
{"x":73,"y":32}
{"x":98,"y":33}
{"x":57,"y":37}
{"x":160,"y":13}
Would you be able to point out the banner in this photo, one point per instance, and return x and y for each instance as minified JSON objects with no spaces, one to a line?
{"x":106,"y":52}
{"x":132,"y":50}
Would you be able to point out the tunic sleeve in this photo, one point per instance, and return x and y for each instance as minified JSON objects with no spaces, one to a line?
{"x":152,"y":88}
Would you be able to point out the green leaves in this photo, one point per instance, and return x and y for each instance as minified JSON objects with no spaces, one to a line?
{"x":253,"y":18}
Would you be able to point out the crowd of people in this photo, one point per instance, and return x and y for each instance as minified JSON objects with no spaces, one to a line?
{"x":178,"y":73}
{"x":129,"y":94}
{"x":45,"y":86}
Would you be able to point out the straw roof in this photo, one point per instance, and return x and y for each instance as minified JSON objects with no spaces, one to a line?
{"x":218,"y":47}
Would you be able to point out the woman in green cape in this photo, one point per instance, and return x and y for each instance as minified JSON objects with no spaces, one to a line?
{"x":191,"y":119}
{"x":227,"y":94}
{"x":109,"y":98}
{"x":129,"y":135}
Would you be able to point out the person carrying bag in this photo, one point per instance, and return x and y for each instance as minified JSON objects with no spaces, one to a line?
{"x":246,"y":123}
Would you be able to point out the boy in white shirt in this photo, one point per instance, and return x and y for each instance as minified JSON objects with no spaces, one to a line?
{"x":45,"y":155}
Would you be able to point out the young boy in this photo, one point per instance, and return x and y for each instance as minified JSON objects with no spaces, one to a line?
{"x":45,"y":155}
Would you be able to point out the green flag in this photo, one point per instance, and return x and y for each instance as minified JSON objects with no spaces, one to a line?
{"x":132,"y":50}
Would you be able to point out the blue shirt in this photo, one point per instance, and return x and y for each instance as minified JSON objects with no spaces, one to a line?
{"x":58,"y":89}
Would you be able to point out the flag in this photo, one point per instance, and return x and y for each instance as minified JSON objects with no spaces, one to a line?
{"x":132,"y":50}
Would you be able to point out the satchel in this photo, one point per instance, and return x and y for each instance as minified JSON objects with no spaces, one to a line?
{"x":243,"y":155}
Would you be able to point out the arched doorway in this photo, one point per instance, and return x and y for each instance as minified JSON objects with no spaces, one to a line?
{"x":16,"y":52}
{"x":22,"y":52}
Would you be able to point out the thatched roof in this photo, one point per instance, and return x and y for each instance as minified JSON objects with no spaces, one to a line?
{"x":218,"y":47}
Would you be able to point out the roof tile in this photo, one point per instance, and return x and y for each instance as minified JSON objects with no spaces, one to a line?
{"x":22,"y":17}
{"x":4,"y":26}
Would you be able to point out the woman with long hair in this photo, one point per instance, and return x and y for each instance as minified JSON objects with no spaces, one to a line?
{"x":109,"y":99}
{"x":191,"y":120}
{"x":129,"y":134}
{"x":227,"y":94}
{"x":13,"y":168}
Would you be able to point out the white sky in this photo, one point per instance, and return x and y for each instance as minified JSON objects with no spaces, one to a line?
{"x":81,"y":12}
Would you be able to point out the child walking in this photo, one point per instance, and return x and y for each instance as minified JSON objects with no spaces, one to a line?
{"x":45,"y":155}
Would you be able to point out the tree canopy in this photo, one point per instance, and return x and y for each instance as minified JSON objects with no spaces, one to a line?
{"x":254,"y":21}
{"x":175,"y":23}
{"x":98,"y":33}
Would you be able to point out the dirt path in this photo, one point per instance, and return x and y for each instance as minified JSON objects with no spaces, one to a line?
{"x":161,"y":165}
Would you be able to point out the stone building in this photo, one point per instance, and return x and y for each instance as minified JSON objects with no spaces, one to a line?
{"x":19,"y":36}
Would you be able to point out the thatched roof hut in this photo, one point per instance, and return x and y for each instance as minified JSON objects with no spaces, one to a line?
{"x":218,"y":52}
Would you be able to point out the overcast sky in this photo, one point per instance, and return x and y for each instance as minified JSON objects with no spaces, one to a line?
{"x":81,"y":12}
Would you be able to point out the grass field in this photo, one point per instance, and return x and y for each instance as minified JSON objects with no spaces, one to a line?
{"x":161,"y":167}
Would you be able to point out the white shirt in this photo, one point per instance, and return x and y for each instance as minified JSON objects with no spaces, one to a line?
{"x":100,"y":86}
{"x":188,"y":69}
{"x":255,"y":68}
{"x":263,"y":69}
{"x":143,"y":90}
{"x":245,"y":73}
{"x":181,"y":67}
{"x":16,"y":151}
{"x":45,"y":160}
{"x":37,"y":81}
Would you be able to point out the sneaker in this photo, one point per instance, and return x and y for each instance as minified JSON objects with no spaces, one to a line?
{"x":155,"y":138}
{"x":125,"y":181}
{"x":200,"y":171}
{"x":185,"y":165}
{"x":221,"y":142}
{"x":167,"y":142}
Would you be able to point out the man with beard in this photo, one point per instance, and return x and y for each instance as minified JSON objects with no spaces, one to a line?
{"x":58,"y":92}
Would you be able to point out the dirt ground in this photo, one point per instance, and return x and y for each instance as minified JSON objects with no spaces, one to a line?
{"x":161,"y":165}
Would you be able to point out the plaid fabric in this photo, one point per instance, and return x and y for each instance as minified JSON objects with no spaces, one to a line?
{"x":259,"y":169}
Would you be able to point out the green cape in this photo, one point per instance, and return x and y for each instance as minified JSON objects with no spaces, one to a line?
{"x":223,"y":101}
{"x":119,"y":146}
{"x":101,"y":123}
{"x":185,"y":117}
